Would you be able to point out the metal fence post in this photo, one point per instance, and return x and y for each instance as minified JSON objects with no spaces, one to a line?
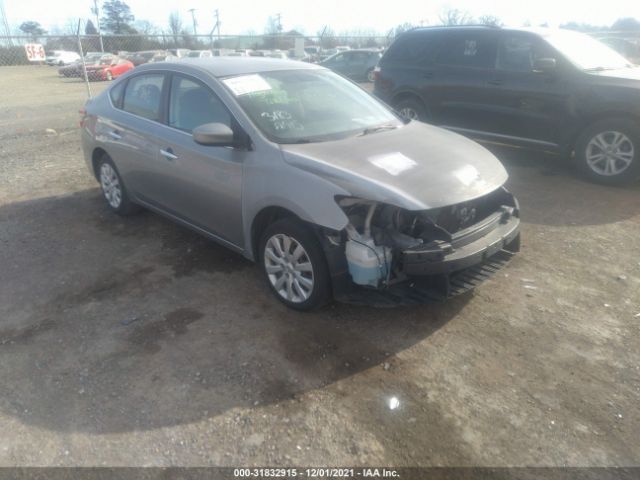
{"x":84,"y":66}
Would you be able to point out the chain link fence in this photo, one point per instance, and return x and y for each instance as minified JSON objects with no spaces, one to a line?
{"x":13,"y":52}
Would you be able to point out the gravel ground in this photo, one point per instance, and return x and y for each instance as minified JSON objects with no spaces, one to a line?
{"x":136,"y":342}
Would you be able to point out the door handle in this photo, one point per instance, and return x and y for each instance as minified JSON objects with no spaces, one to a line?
{"x":495,"y":82}
{"x":168,"y":154}
{"x":115,"y":135}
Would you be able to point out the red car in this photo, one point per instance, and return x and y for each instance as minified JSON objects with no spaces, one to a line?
{"x":109,"y":68}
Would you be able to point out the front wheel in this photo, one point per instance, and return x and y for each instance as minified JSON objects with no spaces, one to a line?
{"x":294,"y":265}
{"x":608,"y":151}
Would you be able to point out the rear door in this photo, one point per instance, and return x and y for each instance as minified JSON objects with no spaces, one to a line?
{"x":456,"y":92}
{"x":338,"y":63}
{"x":132,"y":133}
{"x":200,"y":184}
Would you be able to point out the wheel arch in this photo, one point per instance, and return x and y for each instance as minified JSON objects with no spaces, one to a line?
{"x":594,"y":118}
{"x":262,"y":220}
{"x":405,"y":95}
{"x":96,"y":155}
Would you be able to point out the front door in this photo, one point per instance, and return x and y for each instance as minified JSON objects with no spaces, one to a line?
{"x":529,"y":104}
{"x":201,"y":184}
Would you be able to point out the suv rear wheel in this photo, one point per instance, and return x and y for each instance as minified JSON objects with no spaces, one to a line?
{"x":609,"y":151}
{"x":411,"y":108}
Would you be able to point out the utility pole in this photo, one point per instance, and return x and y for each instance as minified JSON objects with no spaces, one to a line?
{"x":5,"y":23}
{"x":217,"y":27}
{"x":96,"y":12}
{"x":279,"y":19}
{"x":193,"y":19}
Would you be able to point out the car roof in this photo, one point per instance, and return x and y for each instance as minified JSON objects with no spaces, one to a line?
{"x":229,"y":66}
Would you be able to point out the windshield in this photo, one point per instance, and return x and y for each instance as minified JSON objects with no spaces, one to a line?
{"x":307,"y":105}
{"x":194,"y":53}
{"x":586,"y":52}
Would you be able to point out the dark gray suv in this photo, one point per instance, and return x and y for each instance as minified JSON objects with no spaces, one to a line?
{"x":554,"y":90}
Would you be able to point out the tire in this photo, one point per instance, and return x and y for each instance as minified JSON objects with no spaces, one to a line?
{"x":109,"y":75}
{"x":412,"y":108}
{"x":608,"y":151}
{"x":370,"y":76}
{"x":61,"y":63}
{"x":288,"y":277}
{"x":113,"y":189}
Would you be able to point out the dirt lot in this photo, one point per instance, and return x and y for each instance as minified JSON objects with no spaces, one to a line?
{"x":136,"y":342}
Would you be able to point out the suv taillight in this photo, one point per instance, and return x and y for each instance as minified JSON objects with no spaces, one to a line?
{"x":376,"y":72}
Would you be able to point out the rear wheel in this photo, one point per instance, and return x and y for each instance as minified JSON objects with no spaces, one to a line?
{"x":609,"y":151}
{"x":371,"y":77}
{"x":294,"y":265}
{"x":411,"y":108}
{"x":113,"y":188}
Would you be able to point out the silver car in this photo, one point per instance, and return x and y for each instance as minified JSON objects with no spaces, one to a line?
{"x":305,"y":173}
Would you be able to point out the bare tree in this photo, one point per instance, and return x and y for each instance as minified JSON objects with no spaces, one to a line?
{"x":490,"y":20}
{"x":453,"y":16}
{"x":175,"y":25}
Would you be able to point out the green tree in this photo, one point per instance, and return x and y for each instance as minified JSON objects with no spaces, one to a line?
{"x":117,"y":17}
{"x":90,"y":29}
{"x":34,"y":29}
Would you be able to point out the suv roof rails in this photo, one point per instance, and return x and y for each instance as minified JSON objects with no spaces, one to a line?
{"x":476,"y":25}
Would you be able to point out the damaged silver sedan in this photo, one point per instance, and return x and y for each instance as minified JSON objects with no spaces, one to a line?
{"x":305,"y":173}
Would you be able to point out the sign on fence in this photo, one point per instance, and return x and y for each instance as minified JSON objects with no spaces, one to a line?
{"x":35,"y":52}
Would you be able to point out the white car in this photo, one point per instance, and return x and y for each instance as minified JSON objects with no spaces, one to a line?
{"x":62,"y":57}
{"x":199,"y":54}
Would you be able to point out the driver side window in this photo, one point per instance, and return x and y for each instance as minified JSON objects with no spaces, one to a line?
{"x":192,"y":104}
{"x":517,"y":53}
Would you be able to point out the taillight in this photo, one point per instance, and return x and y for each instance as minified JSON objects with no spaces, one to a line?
{"x":376,"y":72}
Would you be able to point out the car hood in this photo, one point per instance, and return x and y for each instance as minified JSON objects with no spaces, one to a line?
{"x":623,"y":73}
{"x":416,"y":166}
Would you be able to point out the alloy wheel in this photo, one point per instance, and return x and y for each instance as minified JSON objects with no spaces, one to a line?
{"x":288,"y":268}
{"x":408,"y":113}
{"x":609,"y":153}
{"x":110,"y":184}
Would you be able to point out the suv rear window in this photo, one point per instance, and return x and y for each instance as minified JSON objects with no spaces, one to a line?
{"x":413,"y":47}
{"x":468,"y":50}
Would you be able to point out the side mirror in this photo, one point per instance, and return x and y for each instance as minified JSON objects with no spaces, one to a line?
{"x":544,"y":65}
{"x":213,"y":134}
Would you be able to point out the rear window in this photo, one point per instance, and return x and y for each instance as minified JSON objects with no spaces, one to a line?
{"x":116,"y":94}
{"x":142,"y":95}
{"x":471,"y":49}
{"x":414,"y":47}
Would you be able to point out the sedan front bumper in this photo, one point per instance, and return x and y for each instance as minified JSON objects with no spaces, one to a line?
{"x":466,"y":249}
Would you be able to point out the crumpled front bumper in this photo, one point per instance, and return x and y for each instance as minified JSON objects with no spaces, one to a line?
{"x":440,"y":270}
{"x":468,"y":248}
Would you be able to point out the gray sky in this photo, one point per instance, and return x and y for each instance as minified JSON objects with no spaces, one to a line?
{"x":239,"y":16}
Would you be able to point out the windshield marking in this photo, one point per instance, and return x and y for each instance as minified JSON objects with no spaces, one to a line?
{"x":245,"y":84}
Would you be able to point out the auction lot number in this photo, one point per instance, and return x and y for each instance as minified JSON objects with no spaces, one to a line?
{"x":35,"y":52}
